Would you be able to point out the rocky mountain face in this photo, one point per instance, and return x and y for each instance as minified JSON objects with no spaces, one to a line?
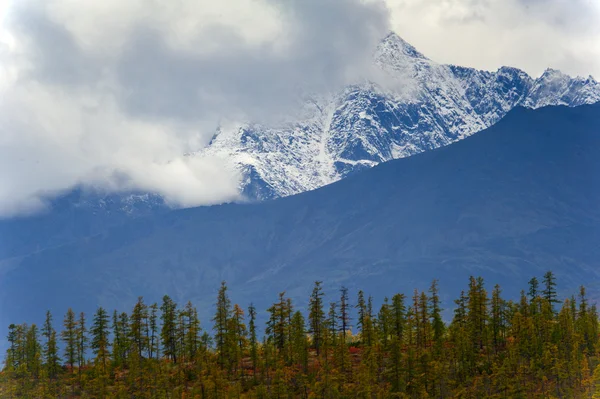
{"x":423,"y":105}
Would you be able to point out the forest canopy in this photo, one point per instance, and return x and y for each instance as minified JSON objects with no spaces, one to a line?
{"x":531,"y":347}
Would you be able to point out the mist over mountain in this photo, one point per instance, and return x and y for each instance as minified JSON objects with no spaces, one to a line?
{"x":420,"y":105}
{"x":508,"y":203}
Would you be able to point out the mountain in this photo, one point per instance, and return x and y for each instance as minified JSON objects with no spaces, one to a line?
{"x":518,"y":199}
{"x":80,"y":213}
{"x":423,"y":105}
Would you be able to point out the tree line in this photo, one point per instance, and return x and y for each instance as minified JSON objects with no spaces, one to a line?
{"x":534,"y":347}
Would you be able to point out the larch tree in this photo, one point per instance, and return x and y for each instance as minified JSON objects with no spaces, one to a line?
{"x":492,"y":348}
{"x":253,"y":338}
{"x":193,"y":333}
{"x":152,"y":332}
{"x":100,"y":343}
{"x":221,"y":322}
{"x":168,"y":332}
{"x":50,"y":349}
{"x":497,"y":318}
{"x":316,"y":316}
{"x":82,"y":341}
{"x":69,"y":337}
{"x":237,"y":337}
{"x":139,"y":327}
{"x":299,"y":342}
{"x":549,"y":293}
{"x":32,"y":352}
{"x":436,"y":315}
{"x":344,"y":325}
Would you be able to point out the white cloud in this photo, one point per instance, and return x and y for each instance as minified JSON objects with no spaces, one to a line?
{"x":112,"y":93}
{"x":51,"y":140}
{"x":103,"y":27}
{"x":529,"y":34}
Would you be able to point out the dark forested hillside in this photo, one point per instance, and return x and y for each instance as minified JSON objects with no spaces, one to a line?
{"x":509,"y":202}
{"x":341,"y":346}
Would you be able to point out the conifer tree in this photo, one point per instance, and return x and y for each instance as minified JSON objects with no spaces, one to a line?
{"x":139,"y":325}
{"x":69,"y":337}
{"x":237,"y":332}
{"x":332,"y":323}
{"x":533,"y":288}
{"x":100,"y":338}
{"x":193,"y":333}
{"x":586,"y":322}
{"x":299,"y":341}
{"x":436,"y":315}
{"x":498,"y":319}
{"x":180,"y":334}
{"x":478,"y":314}
{"x":122,"y":338}
{"x":12,"y":353}
{"x":32,"y":352}
{"x":152,"y":332}
{"x":384,"y":318}
{"x":168,"y":332}
{"x":398,"y":326}
{"x":424,"y":334}
{"x":344,"y":325}
{"x":361,"y":306}
{"x":277,"y":325}
{"x":345,"y":318}
{"x":549,"y":293}
{"x":50,"y":351}
{"x":82,"y":341}
{"x":316,"y":316}
{"x":253,"y":338}
{"x":221,"y":322}
{"x":460,"y":312}
{"x":19,"y":333}
{"x":365,"y":319}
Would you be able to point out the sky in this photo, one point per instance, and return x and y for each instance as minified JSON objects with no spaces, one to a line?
{"x":111,"y":93}
{"x":529,"y":34}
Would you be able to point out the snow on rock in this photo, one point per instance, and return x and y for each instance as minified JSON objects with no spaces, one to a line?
{"x":556,"y":88}
{"x":427,"y":105}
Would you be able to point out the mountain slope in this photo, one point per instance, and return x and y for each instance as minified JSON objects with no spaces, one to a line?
{"x":424,"y":105}
{"x":79,"y":213}
{"x":520,"y":198}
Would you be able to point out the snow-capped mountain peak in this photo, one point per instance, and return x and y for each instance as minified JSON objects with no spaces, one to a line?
{"x":428,"y":105}
{"x":393,"y":46}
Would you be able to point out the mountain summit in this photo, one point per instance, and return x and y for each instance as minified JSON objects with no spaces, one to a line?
{"x":427,"y":105}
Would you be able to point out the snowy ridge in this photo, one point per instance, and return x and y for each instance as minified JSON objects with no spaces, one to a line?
{"x":556,"y":88}
{"x":429,"y":105}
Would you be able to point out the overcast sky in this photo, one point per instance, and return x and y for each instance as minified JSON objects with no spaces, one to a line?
{"x":110,"y":93}
{"x":529,"y":34}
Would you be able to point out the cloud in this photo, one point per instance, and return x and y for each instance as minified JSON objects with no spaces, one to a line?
{"x":112,"y":93}
{"x":529,"y":34}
